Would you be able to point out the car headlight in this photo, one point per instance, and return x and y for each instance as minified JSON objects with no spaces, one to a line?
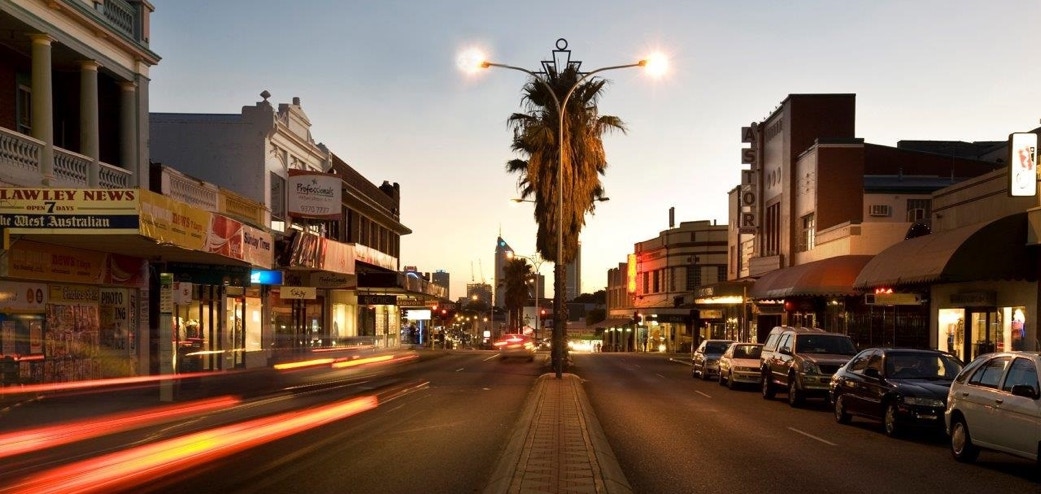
{"x":809,"y":367}
{"x":923,"y":402}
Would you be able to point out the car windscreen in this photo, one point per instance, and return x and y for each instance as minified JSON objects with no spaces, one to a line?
{"x":922,"y":365}
{"x":748,"y":351}
{"x":820,"y":343}
{"x":717,"y":348}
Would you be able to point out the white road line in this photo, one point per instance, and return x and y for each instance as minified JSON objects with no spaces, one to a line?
{"x":493,"y":357}
{"x":659,"y":375}
{"x":459,"y":369}
{"x":811,"y":436}
{"x":703,"y":394}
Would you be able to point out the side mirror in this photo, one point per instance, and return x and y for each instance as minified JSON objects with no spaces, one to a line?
{"x":872,"y":372}
{"x":1024,"y":390}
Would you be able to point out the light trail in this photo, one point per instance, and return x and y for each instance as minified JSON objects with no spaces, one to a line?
{"x":133,"y":467}
{"x":28,"y":440}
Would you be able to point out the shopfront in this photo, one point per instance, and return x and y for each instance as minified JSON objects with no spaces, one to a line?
{"x":724,"y":309}
{"x":817,"y":294}
{"x":215,"y":313}
{"x":981,"y":283}
{"x":68,"y":314}
{"x":985,"y":318}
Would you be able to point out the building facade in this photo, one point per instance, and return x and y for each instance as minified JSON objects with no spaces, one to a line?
{"x":651,"y":304}
{"x":336,"y":234}
{"x":817,"y":204}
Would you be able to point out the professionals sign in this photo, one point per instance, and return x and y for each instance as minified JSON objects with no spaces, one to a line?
{"x":314,"y":195}
{"x":69,"y":211}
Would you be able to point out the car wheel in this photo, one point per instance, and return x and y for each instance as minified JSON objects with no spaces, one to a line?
{"x":767,"y":388}
{"x":841,"y":415}
{"x":961,"y":442}
{"x":730,"y":380}
{"x":795,"y":397}
{"x":892,"y":428}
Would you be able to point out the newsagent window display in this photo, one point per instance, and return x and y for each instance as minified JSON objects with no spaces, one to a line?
{"x":72,"y":335}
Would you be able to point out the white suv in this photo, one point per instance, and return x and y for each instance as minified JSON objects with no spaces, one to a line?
{"x":995,"y":403}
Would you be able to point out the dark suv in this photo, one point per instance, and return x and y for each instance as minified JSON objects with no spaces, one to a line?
{"x":801,"y":361}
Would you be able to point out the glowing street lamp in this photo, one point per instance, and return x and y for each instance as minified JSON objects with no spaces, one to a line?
{"x":473,"y":60}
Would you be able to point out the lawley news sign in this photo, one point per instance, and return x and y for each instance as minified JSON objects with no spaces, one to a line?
{"x":27,"y":211}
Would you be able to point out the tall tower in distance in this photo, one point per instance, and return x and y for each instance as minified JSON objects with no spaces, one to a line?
{"x":573,"y":279}
{"x":501,"y":258}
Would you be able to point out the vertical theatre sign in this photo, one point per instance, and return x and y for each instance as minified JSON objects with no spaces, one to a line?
{"x":748,"y":218}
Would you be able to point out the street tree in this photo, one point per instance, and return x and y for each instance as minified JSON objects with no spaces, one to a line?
{"x":535,"y":138}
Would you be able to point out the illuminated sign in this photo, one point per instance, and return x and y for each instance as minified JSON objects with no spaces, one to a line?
{"x":630,"y":274}
{"x":298,"y":293}
{"x":1022,"y":163}
{"x":265,"y":277}
{"x":377,"y":299}
{"x":417,"y":314}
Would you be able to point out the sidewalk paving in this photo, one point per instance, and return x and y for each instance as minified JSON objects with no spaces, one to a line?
{"x":558,"y":446}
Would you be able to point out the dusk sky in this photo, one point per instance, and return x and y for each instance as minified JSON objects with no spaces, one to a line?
{"x":380,"y":84}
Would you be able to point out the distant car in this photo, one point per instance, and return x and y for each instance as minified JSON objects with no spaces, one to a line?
{"x":740,"y":364}
{"x":995,"y":404}
{"x":705,"y":360}
{"x":903,"y":388}
{"x":517,"y":346}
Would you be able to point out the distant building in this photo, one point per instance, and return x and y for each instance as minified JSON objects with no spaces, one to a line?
{"x":443,"y":278}
{"x":573,"y":277}
{"x":502,"y":256}
{"x":479,"y":292}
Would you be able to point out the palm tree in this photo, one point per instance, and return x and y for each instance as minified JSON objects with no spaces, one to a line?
{"x":515,"y":282}
{"x":535,"y":135}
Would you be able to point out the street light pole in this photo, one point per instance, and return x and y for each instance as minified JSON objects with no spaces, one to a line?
{"x":559,"y":321}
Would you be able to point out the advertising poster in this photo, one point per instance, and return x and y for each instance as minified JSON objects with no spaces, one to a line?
{"x":1022,"y":172}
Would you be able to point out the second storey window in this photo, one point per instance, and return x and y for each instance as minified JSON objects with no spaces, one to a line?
{"x":808,"y":232}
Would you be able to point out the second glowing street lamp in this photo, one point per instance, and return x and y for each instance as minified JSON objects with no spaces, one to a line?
{"x":558,"y":295}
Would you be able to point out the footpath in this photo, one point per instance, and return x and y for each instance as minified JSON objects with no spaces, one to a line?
{"x":557,"y":445}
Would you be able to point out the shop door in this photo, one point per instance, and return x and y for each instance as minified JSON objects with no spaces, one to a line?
{"x":983,"y":333}
{"x":235,"y":354}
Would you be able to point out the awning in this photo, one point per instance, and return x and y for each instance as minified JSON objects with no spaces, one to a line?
{"x":617,"y":322}
{"x":827,"y":277}
{"x":994,"y":250}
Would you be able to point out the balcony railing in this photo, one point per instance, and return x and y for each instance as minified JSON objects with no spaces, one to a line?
{"x":19,"y":154}
{"x":20,"y":157}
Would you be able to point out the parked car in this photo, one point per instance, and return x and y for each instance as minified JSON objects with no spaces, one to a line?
{"x":740,"y":364}
{"x":801,"y":361}
{"x":901,"y":387}
{"x":705,"y":359}
{"x":995,"y":404}
{"x":516,"y":345}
